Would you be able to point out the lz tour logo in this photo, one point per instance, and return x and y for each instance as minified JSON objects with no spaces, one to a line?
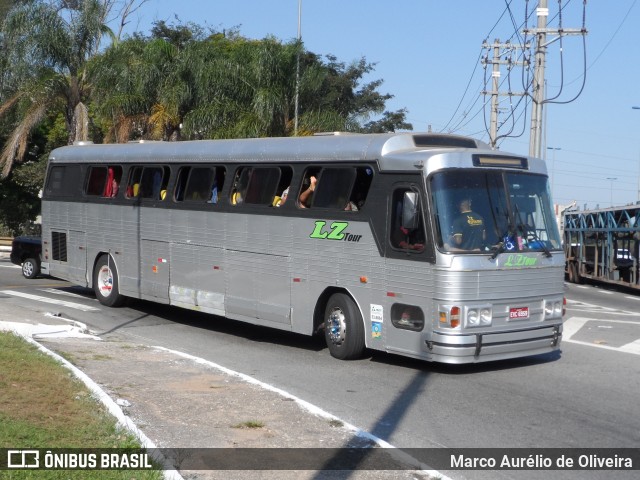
{"x":335,"y":231}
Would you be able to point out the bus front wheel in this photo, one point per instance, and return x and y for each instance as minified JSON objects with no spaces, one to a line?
{"x":106,"y":284}
{"x":343,"y":328}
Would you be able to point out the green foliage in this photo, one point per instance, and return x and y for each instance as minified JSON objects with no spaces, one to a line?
{"x":180,"y":84}
{"x":19,"y":201}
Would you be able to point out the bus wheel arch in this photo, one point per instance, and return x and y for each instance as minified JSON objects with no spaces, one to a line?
{"x":342,"y":322}
{"x":106,"y":281}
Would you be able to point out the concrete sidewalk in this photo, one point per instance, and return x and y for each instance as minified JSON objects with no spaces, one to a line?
{"x":178,"y":401}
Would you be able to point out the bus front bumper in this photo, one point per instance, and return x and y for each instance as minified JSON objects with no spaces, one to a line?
{"x":485,"y":347}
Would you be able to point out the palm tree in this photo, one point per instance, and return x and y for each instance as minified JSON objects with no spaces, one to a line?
{"x":49,"y":44}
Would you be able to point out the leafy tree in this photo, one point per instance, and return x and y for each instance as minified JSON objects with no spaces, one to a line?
{"x":184,"y":82}
{"x":54,"y":42}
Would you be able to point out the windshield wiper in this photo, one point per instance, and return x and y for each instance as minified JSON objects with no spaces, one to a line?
{"x":497,"y":250}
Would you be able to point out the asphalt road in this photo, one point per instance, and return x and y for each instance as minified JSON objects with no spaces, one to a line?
{"x":586,"y":396}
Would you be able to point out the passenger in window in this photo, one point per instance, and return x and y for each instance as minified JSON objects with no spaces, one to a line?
{"x":279,"y":201}
{"x":406,"y":239}
{"x":468,"y":228}
{"x":111,"y":188}
{"x":243,"y":178}
{"x":306,"y":195}
{"x":214,"y":193}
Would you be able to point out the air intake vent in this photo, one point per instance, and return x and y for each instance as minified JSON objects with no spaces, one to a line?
{"x":59,"y":246}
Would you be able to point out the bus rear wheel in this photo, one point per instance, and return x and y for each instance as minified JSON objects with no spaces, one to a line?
{"x":106,"y":284}
{"x":343,"y":328}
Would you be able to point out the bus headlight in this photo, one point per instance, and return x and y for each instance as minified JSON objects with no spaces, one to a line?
{"x":553,"y":309}
{"x":485,"y":316}
{"x":478,"y":317}
{"x":473,"y":318}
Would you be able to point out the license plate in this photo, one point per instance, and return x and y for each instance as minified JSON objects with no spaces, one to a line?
{"x":519,"y":313}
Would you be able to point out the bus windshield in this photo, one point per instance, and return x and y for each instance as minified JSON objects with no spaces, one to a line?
{"x":488,"y":210}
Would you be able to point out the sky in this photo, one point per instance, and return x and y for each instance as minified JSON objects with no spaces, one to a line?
{"x":428,"y":54}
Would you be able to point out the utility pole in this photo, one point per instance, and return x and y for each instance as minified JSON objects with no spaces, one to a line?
{"x":500,"y":57}
{"x":537,"y":87}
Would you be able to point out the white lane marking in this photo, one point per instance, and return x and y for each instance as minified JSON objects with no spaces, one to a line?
{"x":633,"y":347}
{"x":571,"y":326}
{"x":575,"y":304}
{"x":604,"y":347}
{"x":62,"y":303}
{"x":41,"y":330}
{"x":632,"y":298}
{"x":606,"y":292}
{"x":394,"y":452}
{"x":62,"y":292}
{"x":10,"y":266}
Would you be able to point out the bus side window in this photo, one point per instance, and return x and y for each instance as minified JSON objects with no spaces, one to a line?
{"x":181,"y":184}
{"x":282,"y":192}
{"x":255,"y":185}
{"x":240,"y":184}
{"x":96,"y":181}
{"x":307,"y":189}
{"x":218,"y":183}
{"x":364,"y":177}
{"x":133,"y":182}
{"x":153,"y":183}
{"x":200,"y":184}
{"x":55,"y":181}
{"x":333,"y":188}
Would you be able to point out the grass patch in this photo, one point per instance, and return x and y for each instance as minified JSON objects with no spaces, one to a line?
{"x":336,"y":423}
{"x":42,"y":405}
{"x":98,"y":356}
{"x":250,"y":424}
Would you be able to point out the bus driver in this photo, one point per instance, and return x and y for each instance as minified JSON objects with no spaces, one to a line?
{"x":468,"y":228}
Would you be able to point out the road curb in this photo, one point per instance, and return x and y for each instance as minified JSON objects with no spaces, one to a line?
{"x":111,"y":406}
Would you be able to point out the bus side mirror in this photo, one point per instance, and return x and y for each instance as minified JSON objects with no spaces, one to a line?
{"x":410,"y":217}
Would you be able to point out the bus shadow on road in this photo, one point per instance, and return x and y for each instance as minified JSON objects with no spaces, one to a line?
{"x":226,"y":326}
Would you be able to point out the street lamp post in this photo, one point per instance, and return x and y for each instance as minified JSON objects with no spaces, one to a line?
{"x":638,"y":108}
{"x":553,"y":169}
{"x":611,"y":180}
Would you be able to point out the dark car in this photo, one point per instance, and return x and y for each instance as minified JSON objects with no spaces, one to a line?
{"x":25,"y":251}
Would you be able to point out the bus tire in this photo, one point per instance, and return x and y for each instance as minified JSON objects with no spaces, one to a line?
{"x":30,"y":268}
{"x":106,"y":284}
{"x":343,"y":328}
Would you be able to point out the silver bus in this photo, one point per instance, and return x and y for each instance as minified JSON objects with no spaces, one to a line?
{"x":430,"y":246}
